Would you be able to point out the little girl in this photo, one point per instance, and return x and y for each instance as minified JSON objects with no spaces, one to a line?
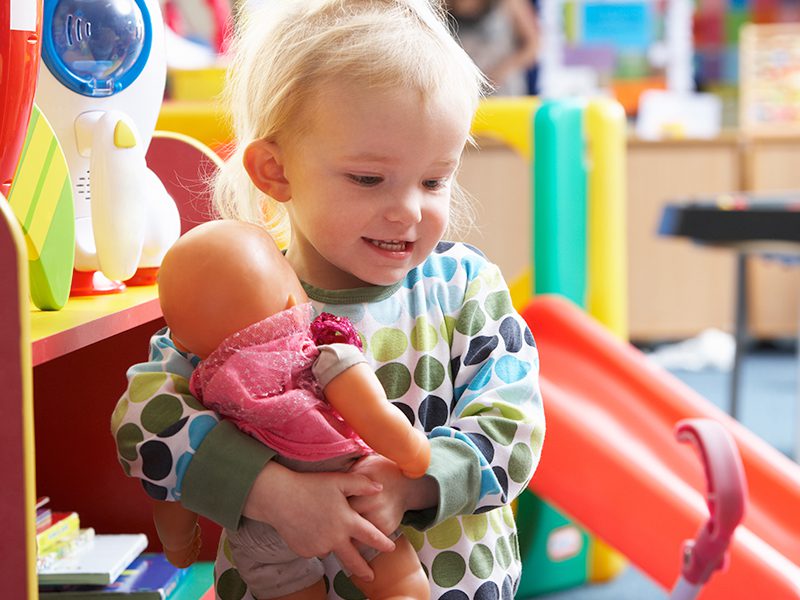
{"x":350,"y":118}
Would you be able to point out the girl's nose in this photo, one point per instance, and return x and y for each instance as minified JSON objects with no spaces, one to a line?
{"x":405,"y":209}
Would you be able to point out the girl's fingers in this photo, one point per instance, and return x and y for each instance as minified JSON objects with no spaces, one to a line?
{"x":352,"y":561}
{"x":371,"y":536}
{"x":359,"y":485}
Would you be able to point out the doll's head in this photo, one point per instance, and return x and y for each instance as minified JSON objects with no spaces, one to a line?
{"x":220,"y":277}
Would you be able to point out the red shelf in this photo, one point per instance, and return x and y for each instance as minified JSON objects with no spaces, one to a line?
{"x":85,"y":321}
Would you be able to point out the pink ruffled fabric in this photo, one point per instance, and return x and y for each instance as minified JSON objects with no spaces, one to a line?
{"x":260,"y":378}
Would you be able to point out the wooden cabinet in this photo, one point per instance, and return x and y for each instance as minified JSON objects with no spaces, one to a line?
{"x":498,"y":180}
{"x":772,"y":165}
{"x":17,"y":552}
{"x":79,"y":357}
{"x":675,"y":288}
{"x":77,"y":360}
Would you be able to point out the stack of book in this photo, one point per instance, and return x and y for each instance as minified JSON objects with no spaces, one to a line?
{"x":77,"y":564}
{"x":58,"y":534}
{"x":147,"y":577}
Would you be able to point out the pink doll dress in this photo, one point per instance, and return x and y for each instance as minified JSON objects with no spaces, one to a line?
{"x":261,"y":379}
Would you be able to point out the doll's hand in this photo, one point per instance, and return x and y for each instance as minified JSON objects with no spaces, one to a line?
{"x":385,"y":509}
{"x":184,"y":556}
{"x":310,"y":511}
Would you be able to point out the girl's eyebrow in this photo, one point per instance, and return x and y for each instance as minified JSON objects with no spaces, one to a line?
{"x":372,"y":157}
{"x":369,"y":157}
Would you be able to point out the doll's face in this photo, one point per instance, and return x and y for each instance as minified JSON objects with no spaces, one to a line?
{"x":221,"y":277}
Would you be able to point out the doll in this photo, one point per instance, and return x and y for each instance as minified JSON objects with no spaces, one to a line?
{"x":230,"y":297}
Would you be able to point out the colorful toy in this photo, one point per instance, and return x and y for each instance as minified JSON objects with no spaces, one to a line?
{"x":606,"y":231}
{"x":642,"y":492}
{"x":578,"y":252}
{"x":559,"y":237}
{"x":726,"y":498}
{"x":20,"y":28}
{"x":101,"y":90}
{"x":229,"y":295}
{"x":184,"y":165}
{"x":41,"y":197}
{"x":38,"y":187}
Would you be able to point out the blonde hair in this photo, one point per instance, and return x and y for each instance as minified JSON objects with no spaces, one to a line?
{"x":288,"y":49}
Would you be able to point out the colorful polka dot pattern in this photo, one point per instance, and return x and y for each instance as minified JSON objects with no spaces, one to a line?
{"x":460,"y":364}
{"x":158,"y":424}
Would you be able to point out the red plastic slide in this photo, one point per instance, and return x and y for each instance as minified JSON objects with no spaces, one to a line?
{"x":611,"y":461}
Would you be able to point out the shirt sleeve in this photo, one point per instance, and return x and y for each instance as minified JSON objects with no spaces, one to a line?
{"x":486,"y":455}
{"x":180,"y":450}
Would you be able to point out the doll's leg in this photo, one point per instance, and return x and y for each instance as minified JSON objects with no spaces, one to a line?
{"x":398,"y":575}
{"x":270,"y":569}
{"x":315,"y":592}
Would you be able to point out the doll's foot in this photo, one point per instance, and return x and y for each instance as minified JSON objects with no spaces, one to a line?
{"x":185,"y":556}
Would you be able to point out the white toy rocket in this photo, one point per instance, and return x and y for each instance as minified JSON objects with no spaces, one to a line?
{"x":101,"y":87}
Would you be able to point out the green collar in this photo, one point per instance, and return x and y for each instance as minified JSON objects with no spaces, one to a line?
{"x":373,"y":293}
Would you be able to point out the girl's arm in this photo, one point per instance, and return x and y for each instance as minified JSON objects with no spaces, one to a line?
{"x":488,"y":451}
{"x":323,"y":522}
{"x":183,"y":452}
{"x":179,"y":449}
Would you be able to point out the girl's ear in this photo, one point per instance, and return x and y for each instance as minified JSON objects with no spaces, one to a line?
{"x":263,"y":162}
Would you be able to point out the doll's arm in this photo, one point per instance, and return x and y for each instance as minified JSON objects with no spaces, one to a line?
{"x":178,"y":531}
{"x":359,"y":397}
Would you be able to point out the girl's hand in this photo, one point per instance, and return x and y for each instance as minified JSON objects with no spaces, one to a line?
{"x":310,"y":511}
{"x":386,"y":508}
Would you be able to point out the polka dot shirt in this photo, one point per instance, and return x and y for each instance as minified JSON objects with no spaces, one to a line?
{"x":454,"y":356}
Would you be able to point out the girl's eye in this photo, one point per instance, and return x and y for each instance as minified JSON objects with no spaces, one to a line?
{"x":365,"y":180}
{"x":434,"y":184}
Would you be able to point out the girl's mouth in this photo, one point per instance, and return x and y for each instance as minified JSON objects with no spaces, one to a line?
{"x":389,"y":245}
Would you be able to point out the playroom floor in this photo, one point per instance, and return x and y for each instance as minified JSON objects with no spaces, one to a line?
{"x":767,"y":399}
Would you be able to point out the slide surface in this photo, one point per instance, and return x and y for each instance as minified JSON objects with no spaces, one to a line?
{"x":611,"y":461}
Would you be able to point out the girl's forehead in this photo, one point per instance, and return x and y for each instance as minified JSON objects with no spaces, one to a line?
{"x":393,"y":128}
{"x":356,"y":99}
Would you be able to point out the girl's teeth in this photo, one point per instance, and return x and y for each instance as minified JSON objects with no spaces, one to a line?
{"x":393,"y":245}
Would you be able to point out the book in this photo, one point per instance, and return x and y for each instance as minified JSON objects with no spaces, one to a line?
{"x":98,"y":563}
{"x":63,"y":549}
{"x":197,"y":583}
{"x":63,"y":526}
{"x":44,"y":518}
{"x":148,"y":577}
{"x":44,"y":515}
